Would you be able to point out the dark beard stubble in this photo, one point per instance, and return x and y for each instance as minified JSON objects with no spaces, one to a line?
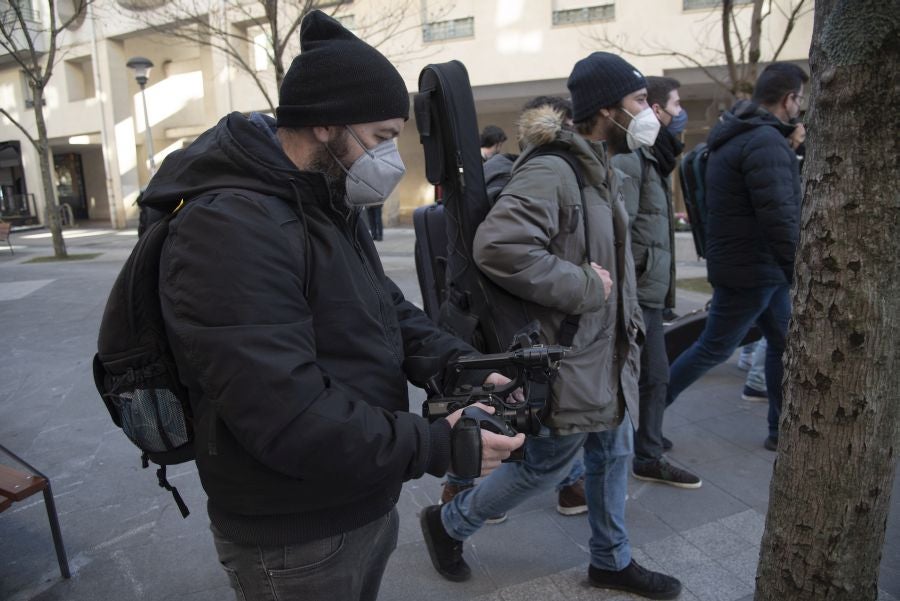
{"x":323,"y":162}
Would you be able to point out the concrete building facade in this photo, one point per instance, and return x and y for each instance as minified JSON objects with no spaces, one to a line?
{"x":513,"y":50}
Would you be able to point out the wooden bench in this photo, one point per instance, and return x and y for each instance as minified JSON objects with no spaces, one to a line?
{"x":16,"y":485}
{"x":4,"y":235}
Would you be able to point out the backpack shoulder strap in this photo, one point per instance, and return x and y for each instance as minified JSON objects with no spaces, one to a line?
{"x":569,"y":326}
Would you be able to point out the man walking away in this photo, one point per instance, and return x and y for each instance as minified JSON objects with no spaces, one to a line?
{"x":753,"y":200}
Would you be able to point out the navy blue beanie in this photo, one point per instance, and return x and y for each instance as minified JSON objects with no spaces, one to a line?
{"x":337,"y":79}
{"x":599,"y":81}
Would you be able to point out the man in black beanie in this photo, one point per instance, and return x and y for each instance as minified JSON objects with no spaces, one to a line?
{"x":565,"y":252}
{"x":288,"y":334}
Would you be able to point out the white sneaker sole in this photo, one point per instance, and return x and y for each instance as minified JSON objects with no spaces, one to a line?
{"x":572,"y":510}
{"x":754,"y":399}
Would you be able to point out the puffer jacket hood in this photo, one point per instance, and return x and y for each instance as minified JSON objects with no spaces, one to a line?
{"x":539,"y":126}
{"x":237,"y":153}
{"x":742,"y":117}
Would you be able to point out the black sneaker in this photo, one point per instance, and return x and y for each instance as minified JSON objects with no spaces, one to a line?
{"x":666,"y":473}
{"x":636,"y":579}
{"x":771,"y":443}
{"x":445,"y":551}
{"x":667,"y":444}
{"x":754,"y":395}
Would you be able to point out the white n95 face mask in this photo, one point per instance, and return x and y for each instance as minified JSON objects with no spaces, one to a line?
{"x":643,"y":129}
{"x":374,"y":175}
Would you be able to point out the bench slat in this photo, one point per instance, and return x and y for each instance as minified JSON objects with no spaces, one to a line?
{"x":18,"y":485}
{"x":4,"y":503}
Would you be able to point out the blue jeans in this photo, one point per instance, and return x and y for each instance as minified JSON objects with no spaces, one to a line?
{"x":756,"y":377}
{"x":731,"y":314}
{"x":576,"y":473}
{"x":547,"y":460}
{"x":343,"y":567}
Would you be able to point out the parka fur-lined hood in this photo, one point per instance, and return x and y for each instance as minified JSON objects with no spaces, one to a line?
{"x":539,"y":126}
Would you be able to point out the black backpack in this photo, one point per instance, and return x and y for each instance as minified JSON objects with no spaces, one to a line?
{"x":693,"y":183}
{"x":134,"y":370}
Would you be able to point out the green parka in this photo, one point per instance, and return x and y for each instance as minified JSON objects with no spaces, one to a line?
{"x":532,"y":244}
{"x":652,"y":228}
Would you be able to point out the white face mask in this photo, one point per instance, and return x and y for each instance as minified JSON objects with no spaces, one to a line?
{"x":374,"y":175}
{"x":642,"y":130}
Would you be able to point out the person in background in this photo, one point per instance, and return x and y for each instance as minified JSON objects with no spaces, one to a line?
{"x":753,"y":201}
{"x":649,"y":206}
{"x":492,"y":139}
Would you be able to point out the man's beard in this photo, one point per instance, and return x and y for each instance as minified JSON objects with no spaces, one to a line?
{"x":324,"y":162}
{"x":616,"y":137}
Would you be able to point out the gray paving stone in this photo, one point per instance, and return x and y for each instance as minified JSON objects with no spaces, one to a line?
{"x":711,"y":582}
{"x":716,"y":540}
{"x":698,"y":446}
{"x":749,"y":525}
{"x":746,"y":479}
{"x":885,"y":596}
{"x":745,"y":427}
{"x":742,"y":564}
{"x":682,"y":509}
{"x":676,"y":555}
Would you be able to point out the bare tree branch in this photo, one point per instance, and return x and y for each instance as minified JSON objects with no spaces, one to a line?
{"x":727,"y":10}
{"x":741,"y":70}
{"x":681,"y":56}
{"x":788,"y":28}
{"x":21,"y":128}
{"x":755,"y":32}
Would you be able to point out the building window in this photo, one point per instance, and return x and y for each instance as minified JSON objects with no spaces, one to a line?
{"x":692,"y":4}
{"x":448,"y":30}
{"x":585,"y":14}
{"x":260,"y":48}
{"x":80,"y":79}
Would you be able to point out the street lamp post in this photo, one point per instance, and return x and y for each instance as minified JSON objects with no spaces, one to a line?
{"x":141,"y":67}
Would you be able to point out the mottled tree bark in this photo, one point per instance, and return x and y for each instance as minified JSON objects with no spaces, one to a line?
{"x":840,"y":429}
{"x":51,"y":204}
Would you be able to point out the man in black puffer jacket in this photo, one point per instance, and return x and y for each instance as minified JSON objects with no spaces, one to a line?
{"x":753,"y":200}
{"x":288,"y":334}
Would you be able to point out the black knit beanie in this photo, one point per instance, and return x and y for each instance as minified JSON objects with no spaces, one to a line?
{"x":601,"y":80}
{"x":338,"y":80}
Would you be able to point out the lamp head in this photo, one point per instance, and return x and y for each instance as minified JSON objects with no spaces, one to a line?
{"x":141,"y":67}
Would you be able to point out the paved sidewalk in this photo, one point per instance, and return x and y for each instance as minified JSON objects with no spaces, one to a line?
{"x":126,"y":540}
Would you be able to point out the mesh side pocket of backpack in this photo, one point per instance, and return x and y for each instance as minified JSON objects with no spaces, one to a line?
{"x":153,"y":419}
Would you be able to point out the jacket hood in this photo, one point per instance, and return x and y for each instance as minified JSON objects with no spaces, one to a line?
{"x":539,"y":126}
{"x":238,"y":152}
{"x":498,"y":165}
{"x":742,"y":117}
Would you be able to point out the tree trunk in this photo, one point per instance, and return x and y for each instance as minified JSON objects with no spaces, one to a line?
{"x":840,"y":429}
{"x":51,"y":206}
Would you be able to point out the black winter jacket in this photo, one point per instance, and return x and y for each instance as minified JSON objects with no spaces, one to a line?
{"x":753,"y":200}
{"x":291,"y":341}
